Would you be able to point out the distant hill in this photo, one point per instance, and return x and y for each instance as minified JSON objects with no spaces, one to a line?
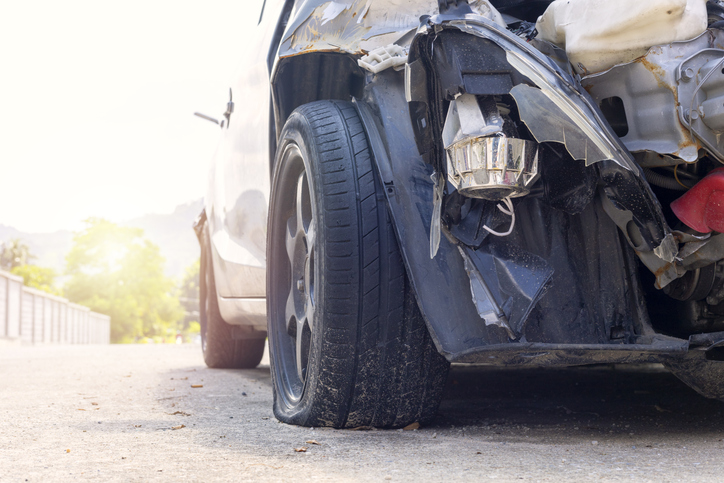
{"x":171,"y":232}
{"x":49,"y":248}
{"x":174,"y":235}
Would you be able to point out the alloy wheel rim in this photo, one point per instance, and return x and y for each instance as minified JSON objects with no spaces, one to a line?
{"x":295,"y":274}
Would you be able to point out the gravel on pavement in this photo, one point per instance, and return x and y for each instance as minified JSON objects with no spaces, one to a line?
{"x":156,"y":413}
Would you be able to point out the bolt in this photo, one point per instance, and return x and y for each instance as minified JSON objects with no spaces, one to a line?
{"x":300,"y":285}
{"x":688,"y":74}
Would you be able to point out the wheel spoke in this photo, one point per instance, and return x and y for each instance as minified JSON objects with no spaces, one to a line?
{"x":289,"y":313}
{"x":291,"y":238}
{"x":301,"y":355}
{"x":309,"y":314}
{"x":311,"y":234}
{"x":300,"y":201}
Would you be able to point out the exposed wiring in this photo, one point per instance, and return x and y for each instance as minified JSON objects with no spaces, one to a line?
{"x":510,"y":211}
{"x":683,"y":174}
{"x":676,"y":177}
{"x":663,"y":181}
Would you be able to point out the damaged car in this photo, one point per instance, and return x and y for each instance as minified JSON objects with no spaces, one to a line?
{"x":405,"y":184}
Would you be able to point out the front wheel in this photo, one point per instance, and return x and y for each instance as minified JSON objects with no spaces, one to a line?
{"x":348,"y":345}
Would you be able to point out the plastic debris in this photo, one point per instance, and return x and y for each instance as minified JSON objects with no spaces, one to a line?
{"x":383,"y":58}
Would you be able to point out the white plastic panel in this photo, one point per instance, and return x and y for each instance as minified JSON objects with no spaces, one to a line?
{"x":598,"y":34}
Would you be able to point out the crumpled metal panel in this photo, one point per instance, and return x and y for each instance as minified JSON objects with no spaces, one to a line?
{"x":698,"y":251}
{"x":557,"y":125}
{"x":360,"y":26}
{"x":506,"y":282}
{"x":648,"y":88}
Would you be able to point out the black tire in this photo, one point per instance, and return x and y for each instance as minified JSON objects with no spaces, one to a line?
{"x":221,"y":350}
{"x":348,"y":345}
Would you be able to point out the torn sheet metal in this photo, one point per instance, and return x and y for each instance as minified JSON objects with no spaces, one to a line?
{"x":438,"y":180}
{"x":506,"y":283}
{"x":692,"y":255}
{"x":677,"y":253}
{"x":697,"y":252}
{"x":361,"y":26}
{"x":332,"y":11}
{"x":598,"y":34}
{"x":557,"y":126}
{"x":657,"y":91}
{"x":484,"y":302}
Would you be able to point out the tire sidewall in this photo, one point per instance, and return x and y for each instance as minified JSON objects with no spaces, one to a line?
{"x":204,"y":290}
{"x":296,"y":131}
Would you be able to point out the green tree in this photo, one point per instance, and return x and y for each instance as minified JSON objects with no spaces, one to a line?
{"x":114,"y":270}
{"x":188,"y":293}
{"x":42,"y":278}
{"x":14,"y":253}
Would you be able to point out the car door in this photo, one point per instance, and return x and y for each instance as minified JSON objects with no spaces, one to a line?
{"x":238,"y":191}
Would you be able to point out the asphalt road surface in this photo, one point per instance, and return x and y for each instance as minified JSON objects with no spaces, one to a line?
{"x":132,"y":413}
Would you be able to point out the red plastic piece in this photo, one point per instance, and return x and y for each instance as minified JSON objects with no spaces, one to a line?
{"x":702,"y":207}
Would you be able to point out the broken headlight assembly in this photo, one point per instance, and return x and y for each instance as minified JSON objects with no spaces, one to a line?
{"x":482,"y":161}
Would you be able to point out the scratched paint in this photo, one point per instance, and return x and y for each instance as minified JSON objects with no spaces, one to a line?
{"x":360,"y":26}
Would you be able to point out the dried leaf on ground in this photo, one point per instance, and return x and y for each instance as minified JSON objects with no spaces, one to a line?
{"x":311,"y":441}
{"x":412,"y":426}
{"x":303,"y":449}
{"x":660,"y":409}
{"x":196,"y":386}
{"x":178,"y":427}
{"x":180,"y":413}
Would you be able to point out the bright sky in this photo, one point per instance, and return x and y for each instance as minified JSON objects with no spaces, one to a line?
{"x":96,"y":104}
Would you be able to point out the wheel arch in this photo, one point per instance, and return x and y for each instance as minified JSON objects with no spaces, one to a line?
{"x":309,"y":77}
